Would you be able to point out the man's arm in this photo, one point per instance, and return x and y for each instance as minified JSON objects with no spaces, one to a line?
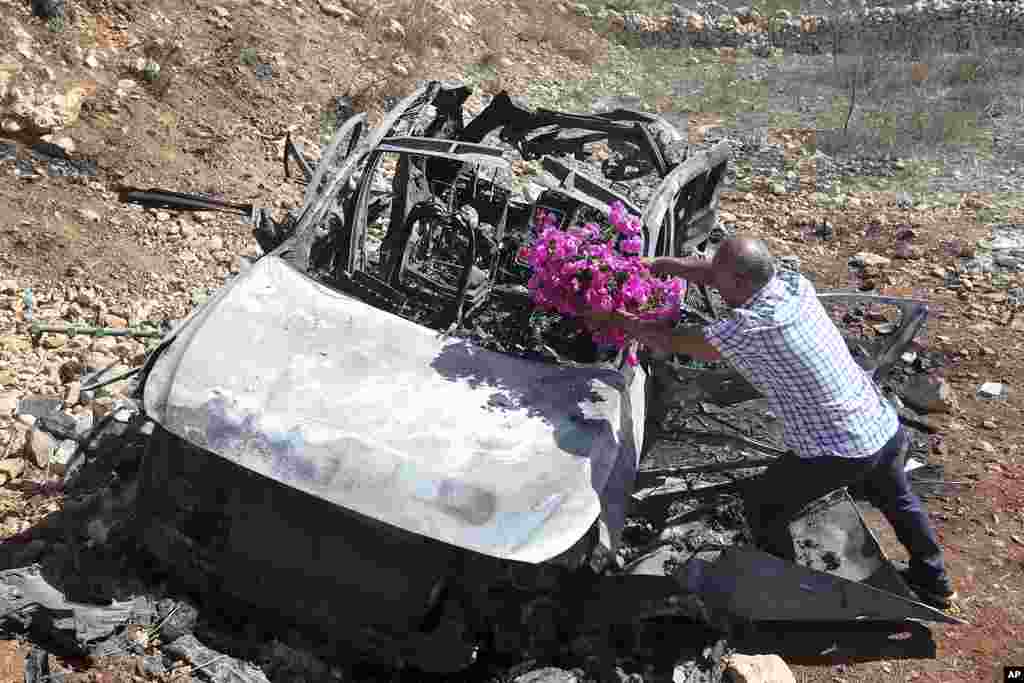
{"x":695,"y":270}
{"x":660,"y":335}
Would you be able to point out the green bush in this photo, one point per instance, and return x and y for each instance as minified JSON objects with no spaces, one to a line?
{"x":248,"y":56}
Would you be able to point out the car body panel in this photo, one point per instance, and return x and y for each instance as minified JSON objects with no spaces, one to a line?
{"x":362,"y":408}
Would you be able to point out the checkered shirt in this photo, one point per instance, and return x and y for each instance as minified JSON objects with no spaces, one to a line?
{"x":784,"y":343}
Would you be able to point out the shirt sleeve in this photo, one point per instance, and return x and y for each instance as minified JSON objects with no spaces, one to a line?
{"x":722,"y":334}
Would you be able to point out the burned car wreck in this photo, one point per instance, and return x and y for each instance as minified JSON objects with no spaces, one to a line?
{"x":373,"y":433}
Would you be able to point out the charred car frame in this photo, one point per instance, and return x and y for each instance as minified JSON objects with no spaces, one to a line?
{"x":345,"y":436}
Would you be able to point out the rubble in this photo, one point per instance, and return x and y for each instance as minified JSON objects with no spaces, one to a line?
{"x":992,"y":390}
{"x":757,"y":669}
{"x":11,"y":469}
{"x":39,"y":447}
{"x":866,"y":259}
{"x":930,"y":393}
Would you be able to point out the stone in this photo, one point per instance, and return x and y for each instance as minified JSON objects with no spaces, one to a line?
{"x":163,"y":216}
{"x":930,"y":393}
{"x":11,"y":469}
{"x":54,"y":341}
{"x":101,"y":407}
{"x":115,"y":321}
{"x":394,"y":30}
{"x":991,"y":390}
{"x":215,"y":244}
{"x":864,"y":259}
{"x":73,"y":394}
{"x":99,"y":361}
{"x":8,"y":377}
{"x":757,"y":669}
{"x":694,"y":23}
{"x":906,"y":251}
{"x":8,"y":403}
{"x":16,"y":343}
{"x":334,"y":10}
{"x":986,"y":446}
{"x":990,"y":424}
{"x":71,"y":371}
{"x":61,"y":456}
{"x":40,"y":446}
{"x":104,"y":345}
{"x":89,"y":215}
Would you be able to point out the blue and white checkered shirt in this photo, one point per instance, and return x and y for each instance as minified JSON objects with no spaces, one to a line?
{"x":785,"y":344}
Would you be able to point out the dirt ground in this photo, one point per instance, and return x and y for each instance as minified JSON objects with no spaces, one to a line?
{"x":209,"y":123}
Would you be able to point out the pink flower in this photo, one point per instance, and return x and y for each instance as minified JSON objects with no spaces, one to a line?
{"x":580,"y":268}
{"x":633,"y":245}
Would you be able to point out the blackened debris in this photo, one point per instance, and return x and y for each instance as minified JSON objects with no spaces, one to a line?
{"x":343,"y":109}
{"x":264,"y":72}
{"x":70,"y":168}
{"x":59,"y":164}
{"x":47,"y":9}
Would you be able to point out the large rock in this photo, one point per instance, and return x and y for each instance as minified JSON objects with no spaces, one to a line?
{"x":866,"y":259}
{"x":40,"y":446}
{"x":930,"y":393}
{"x":757,"y":669}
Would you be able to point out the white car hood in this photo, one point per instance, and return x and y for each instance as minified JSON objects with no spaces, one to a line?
{"x":511,"y":458}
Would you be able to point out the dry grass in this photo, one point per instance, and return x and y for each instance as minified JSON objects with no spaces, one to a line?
{"x":921,"y":99}
{"x":417,"y":25}
{"x":495,"y":34}
{"x":555,"y":25}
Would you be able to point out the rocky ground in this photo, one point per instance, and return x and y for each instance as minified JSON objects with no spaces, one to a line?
{"x":199,"y":96}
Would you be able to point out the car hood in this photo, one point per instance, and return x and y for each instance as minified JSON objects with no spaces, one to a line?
{"x":511,"y":458}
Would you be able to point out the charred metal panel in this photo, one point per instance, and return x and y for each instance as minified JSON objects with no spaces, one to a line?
{"x":366,"y":410}
{"x":215,"y":522}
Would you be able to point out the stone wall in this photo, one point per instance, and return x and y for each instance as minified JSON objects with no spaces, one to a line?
{"x":912,"y":29}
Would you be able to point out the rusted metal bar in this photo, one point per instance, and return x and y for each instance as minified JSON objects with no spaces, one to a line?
{"x":292,"y":151}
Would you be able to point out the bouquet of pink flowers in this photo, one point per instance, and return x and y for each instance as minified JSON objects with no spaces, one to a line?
{"x":594,"y":267}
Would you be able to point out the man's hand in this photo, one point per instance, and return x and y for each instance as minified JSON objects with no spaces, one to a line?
{"x":657,"y":335}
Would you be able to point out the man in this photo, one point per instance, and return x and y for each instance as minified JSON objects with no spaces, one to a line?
{"x":838,"y":427}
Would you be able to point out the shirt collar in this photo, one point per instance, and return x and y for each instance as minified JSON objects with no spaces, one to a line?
{"x":759,"y":295}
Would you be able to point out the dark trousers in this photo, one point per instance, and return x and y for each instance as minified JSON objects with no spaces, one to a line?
{"x":788,"y":484}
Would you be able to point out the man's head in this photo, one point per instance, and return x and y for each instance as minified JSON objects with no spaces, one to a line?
{"x":742,"y":266}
